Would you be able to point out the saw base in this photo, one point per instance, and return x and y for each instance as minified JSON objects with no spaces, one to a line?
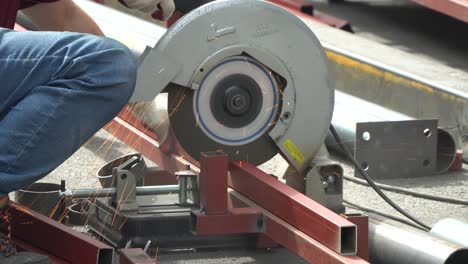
{"x":160,"y":220}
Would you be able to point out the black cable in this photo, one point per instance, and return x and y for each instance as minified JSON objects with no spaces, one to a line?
{"x":409,"y":192}
{"x":371,"y":182}
{"x":390,"y":216}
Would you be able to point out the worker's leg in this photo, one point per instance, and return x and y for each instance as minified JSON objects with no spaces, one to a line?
{"x":56,"y":91}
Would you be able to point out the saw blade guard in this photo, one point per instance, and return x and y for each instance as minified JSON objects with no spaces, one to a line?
{"x":268,"y":35}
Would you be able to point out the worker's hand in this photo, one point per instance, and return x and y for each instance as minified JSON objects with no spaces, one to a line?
{"x":158,"y":9}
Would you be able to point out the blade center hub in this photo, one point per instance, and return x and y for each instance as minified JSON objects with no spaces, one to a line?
{"x":237,"y":101}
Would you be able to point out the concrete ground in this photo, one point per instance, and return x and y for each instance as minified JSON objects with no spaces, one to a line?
{"x":403,"y":25}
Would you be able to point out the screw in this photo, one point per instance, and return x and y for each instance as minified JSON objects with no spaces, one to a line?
{"x":331,"y":179}
{"x":325,"y":184}
{"x":63,"y":187}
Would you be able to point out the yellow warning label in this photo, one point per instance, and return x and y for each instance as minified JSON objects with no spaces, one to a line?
{"x":293,"y":151}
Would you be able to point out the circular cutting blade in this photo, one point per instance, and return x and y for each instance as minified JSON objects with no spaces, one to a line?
{"x":228,"y":112}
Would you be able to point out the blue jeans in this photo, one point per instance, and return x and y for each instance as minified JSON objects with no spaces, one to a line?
{"x":56,"y":91}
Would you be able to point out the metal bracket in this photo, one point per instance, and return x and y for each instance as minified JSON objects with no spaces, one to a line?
{"x":126,"y":177}
{"x":397,"y":149}
{"x":188,"y":187}
{"x":324,"y":182}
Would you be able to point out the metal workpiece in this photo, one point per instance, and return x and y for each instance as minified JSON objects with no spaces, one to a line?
{"x":453,"y":230}
{"x":292,"y":238}
{"x":397,"y":149}
{"x":293,"y":207}
{"x":42,"y":197}
{"x":350,"y":111}
{"x":61,"y":243}
{"x":392,"y":242}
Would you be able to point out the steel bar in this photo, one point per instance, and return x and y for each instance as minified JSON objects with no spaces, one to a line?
{"x":57,"y":239}
{"x":134,"y":256}
{"x":391,"y":242}
{"x":293,"y":239}
{"x":454,"y":8}
{"x":107,"y":192}
{"x":293,"y":207}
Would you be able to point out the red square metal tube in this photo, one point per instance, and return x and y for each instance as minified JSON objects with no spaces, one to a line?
{"x":295,"y":208}
{"x":57,"y":239}
{"x":362,"y":223}
{"x":236,"y":221}
{"x":213,"y":183}
{"x":293,"y":239}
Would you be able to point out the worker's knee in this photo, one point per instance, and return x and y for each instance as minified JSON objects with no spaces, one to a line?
{"x":111,"y":67}
{"x":120,"y":69}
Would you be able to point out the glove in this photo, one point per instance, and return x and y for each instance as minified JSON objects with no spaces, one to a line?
{"x":158,"y":9}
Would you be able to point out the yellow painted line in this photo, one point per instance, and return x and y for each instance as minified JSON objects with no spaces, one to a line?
{"x":360,"y":67}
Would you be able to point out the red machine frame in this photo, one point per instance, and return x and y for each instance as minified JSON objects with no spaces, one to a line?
{"x":236,"y":196}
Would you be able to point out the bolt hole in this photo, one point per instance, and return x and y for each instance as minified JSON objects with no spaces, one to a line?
{"x":427,"y":132}
{"x":366,"y":136}
{"x":365,"y":166}
{"x":123,"y":177}
{"x":286,"y":115}
{"x":202,"y":70}
{"x":426,"y":162}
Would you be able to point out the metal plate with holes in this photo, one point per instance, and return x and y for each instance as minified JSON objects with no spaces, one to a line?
{"x":397,"y":149}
